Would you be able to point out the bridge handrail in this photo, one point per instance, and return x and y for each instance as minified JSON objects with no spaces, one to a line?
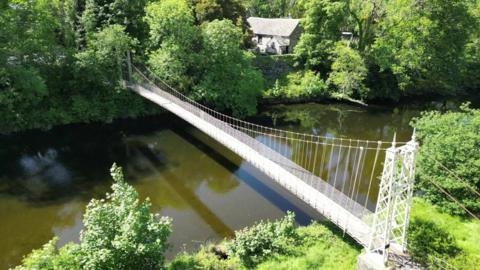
{"x":310,"y":138}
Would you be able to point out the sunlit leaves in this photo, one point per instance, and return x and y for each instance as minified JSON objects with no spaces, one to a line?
{"x":453,"y":139}
{"x":348,"y":71}
{"x":121,"y":233}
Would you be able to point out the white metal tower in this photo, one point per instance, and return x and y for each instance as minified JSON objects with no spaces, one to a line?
{"x":392,"y":213}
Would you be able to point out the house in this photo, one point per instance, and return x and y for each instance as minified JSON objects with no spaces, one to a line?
{"x":275,"y":36}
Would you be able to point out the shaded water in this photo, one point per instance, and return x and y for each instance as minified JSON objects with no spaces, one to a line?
{"x":47,"y":178}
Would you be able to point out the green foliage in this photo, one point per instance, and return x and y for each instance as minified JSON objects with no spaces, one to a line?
{"x":233,"y":10}
{"x":427,"y":241}
{"x":175,"y":42}
{"x":208,"y":10}
{"x":229,"y":81}
{"x":253,"y":245}
{"x":313,"y":247}
{"x":472,"y":51}
{"x":348,"y":71}
{"x":453,"y":139}
{"x":409,"y":47}
{"x":319,"y":248}
{"x":170,"y":20}
{"x":276,"y":8}
{"x":464,"y":234}
{"x":119,"y":233}
{"x":464,"y":261}
{"x":99,"y":14}
{"x":213,"y":67}
{"x":50,"y":74}
{"x":321,"y":30}
{"x":51,"y":258}
{"x":422,"y":43}
{"x":204,"y":259}
{"x":103,"y":58}
{"x":300,"y":85}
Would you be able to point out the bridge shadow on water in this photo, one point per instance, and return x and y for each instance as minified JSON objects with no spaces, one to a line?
{"x":242,"y":172}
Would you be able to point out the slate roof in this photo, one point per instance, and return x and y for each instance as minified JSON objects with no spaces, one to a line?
{"x":273,"y":27}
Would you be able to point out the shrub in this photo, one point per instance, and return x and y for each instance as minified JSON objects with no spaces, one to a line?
{"x":427,"y":242}
{"x":51,"y":258}
{"x":464,"y":261}
{"x":120,"y":233}
{"x":300,"y":85}
{"x":204,"y":259}
{"x":252,"y":245}
{"x":184,"y":261}
{"x":453,"y":139}
{"x":348,"y":72}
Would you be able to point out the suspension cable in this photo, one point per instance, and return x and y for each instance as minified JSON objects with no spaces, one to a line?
{"x":454,"y":199}
{"x":192,"y":102}
{"x":455,"y":175}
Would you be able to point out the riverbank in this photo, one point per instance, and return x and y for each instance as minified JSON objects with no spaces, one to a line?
{"x":48,"y":177}
{"x":322,"y":246}
{"x":438,"y":234}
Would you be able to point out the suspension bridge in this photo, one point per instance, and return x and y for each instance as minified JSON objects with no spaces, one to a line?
{"x":338,"y":177}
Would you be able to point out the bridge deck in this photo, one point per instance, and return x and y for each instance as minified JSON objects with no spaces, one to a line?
{"x":327,"y":200}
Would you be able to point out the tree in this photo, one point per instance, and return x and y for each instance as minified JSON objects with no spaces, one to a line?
{"x":175,"y":43}
{"x":421,"y":43}
{"x":170,"y":20}
{"x":276,"y":8}
{"x":99,"y":14}
{"x":451,"y":139}
{"x":174,"y":64}
{"x":33,"y":57}
{"x":348,"y":71}
{"x":472,"y":51}
{"x":322,"y":24}
{"x":207,"y":10}
{"x":365,"y":15}
{"x":233,"y":10}
{"x":103,"y":58}
{"x":49,"y":257}
{"x":120,"y":233}
{"x":229,"y":81}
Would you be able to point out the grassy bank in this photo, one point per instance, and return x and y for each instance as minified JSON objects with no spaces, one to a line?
{"x":321,"y":249}
{"x":321,"y":246}
{"x":317,"y":247}
{"x":463,"y":235}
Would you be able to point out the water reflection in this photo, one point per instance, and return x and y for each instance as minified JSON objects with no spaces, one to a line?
{"x":46,"y":179}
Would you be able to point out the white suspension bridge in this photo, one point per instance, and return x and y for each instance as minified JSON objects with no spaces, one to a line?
{"x":336,"y":176}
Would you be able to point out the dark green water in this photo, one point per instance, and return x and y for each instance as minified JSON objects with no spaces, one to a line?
{"x":47,"y":178}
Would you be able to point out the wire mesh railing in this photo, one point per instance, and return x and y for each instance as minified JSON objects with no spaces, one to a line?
{"x":345,"y":170}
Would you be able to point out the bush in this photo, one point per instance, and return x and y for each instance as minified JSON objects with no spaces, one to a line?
{"x":453,"y":139}
{"x":184,"y":261}
{"x":120,"y":233}
{"x":305,"y":84}
{"x":348,"y":72}
{"x":51,"y":258}
{"x":252,"y":245}
{"x":464,"y":261}
{"x":205,"y":259}
{"x":427,"y":242}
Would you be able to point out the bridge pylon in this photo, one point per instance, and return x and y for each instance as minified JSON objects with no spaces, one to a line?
{"x":392,"y":213}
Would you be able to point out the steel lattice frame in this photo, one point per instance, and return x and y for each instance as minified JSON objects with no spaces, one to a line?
{"x":392,"y":214}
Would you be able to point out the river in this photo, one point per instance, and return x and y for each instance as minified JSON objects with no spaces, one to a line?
{"x":48,"y":177}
